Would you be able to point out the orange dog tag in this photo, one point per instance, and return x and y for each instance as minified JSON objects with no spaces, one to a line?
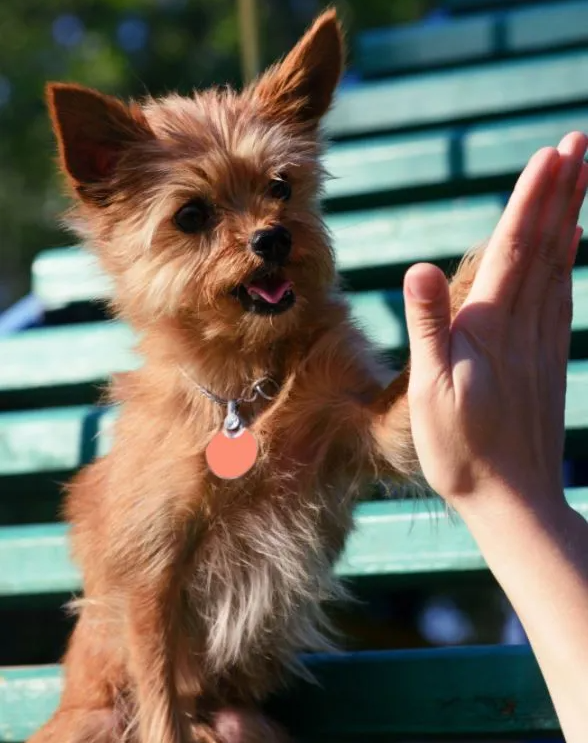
{"x":231,"y":456}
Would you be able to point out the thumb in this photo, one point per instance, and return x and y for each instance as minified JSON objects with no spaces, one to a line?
{"x":428,"y":317}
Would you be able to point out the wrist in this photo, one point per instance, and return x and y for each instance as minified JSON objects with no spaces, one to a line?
{"x":506,"y":509}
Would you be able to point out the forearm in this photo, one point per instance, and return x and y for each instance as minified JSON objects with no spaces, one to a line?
{"x":540,"y":558}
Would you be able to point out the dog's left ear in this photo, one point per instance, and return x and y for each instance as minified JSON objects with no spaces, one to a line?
{"x":301,"y":87}
{"x":93,"y":132}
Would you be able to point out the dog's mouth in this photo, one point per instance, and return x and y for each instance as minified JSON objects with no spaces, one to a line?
{"x":267,"y":292}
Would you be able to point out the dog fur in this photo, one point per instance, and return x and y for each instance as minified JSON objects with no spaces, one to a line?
{"x":199,"y":593}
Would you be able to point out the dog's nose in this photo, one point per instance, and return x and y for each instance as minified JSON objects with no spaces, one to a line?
{"x":273,"y":244}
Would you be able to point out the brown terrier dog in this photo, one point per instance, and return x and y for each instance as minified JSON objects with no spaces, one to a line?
{"x":199,"y":589}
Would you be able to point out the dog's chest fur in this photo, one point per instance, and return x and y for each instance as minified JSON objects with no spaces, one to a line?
{"x":263,"y":571}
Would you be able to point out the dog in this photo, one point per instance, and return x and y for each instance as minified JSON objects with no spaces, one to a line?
{"x":261,"y":413}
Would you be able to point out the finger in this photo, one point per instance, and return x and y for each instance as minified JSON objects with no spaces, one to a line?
{"x":574,"y":245}
{"x":428,"y":317}
{"x":557,"y":323}
{"x":571,"y":221}
{"x":557,"y":293}
{"x":503,"y":265}
{"x":549,"y":258}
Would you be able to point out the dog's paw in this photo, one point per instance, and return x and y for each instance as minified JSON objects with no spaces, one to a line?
{"x":243,"y":725}
{"x":462,"y":281}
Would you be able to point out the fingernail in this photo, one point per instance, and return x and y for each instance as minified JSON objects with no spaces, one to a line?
{"x":568,"y":142}
{"x":422,"y":283}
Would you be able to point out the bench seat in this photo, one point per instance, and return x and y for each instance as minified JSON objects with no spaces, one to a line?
{"x":367,"y":696}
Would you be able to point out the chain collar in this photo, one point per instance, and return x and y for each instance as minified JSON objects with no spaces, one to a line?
{"x":266,"y":388}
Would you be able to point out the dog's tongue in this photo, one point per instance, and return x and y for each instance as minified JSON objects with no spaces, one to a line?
{"x":270,"y":288}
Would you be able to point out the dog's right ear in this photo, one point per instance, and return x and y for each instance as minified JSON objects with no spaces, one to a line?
{"x":301,"y":87}
{"x":93,"y":131}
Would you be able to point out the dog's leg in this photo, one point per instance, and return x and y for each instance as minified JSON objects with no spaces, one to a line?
{"x":89,"y":711}
{"x":152,"y":641}
{"x":80,"y":725}
{"x":391,"y":420}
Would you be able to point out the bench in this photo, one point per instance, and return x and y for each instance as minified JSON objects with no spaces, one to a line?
{"x":367,"y":696}
{"x":417,"y":692}
{"x":423,"y":163}
{"x":447,"y":96}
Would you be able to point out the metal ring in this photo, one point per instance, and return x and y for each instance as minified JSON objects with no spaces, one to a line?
{"x":259,"y":389}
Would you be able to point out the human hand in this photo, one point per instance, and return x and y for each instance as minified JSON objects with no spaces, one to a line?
{"x":487,"y":391}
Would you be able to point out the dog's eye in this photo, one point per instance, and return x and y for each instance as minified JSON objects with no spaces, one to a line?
{"x":279,"y":188}
{"x":193,"y":216}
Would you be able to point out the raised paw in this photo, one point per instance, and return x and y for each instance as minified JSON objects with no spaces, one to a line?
{"x":462,"y":280}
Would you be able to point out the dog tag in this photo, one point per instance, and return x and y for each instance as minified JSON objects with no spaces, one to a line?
{"x":233,"y":451}
{"x":230,"y":457}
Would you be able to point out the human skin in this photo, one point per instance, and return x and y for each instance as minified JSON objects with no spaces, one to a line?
{"x":487,"y":398}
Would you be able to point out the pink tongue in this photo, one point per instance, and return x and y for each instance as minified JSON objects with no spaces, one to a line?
{"x":271,"y":294}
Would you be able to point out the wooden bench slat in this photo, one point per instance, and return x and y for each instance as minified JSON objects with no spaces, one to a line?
{"x":53,"y":439}
{"x":367,"y":696}
{"x":468,"y":93}
{"x":35,"y":560}
{"x":548,"y":26}
{"x":429,"y":45}
{"x":28,"y":697}
{"x":493,"y":150}
{"x":424,"y":45}
{"x":445,"y":157}
{"x":392,"y":539}
{"x":62,"y":276}
{"x":65,"y":355}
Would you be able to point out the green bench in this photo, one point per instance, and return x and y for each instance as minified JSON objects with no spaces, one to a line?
{"x":363,"y":696}
{"x":422,"y":166}
{"x":370,"y":695}
{"x":439,"y":160}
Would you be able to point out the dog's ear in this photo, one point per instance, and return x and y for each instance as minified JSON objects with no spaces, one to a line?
{"x":301,"y":87}
{"x":93,"y":131}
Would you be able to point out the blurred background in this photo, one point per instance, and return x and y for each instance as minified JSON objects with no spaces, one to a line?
{"x":123,"y":47}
